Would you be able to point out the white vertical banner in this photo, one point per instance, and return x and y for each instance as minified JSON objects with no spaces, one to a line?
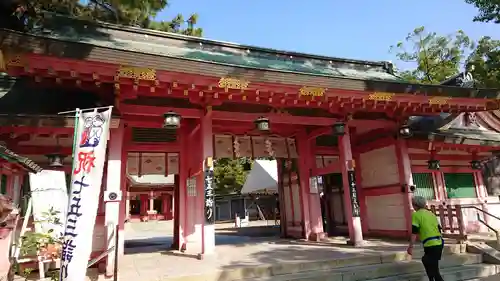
{"x":49,"y":194}
{"x":89,"y":152}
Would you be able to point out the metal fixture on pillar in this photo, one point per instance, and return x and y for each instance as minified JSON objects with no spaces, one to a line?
{"x":433,"y":164}
{"x":338,"y":129}
{"x":262,"y":124}
{"x":476,"y":165}
{"x":405,"y":131}
{"x":171,"y":120}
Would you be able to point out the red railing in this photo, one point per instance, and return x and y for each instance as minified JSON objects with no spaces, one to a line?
{"x":452,"y":221}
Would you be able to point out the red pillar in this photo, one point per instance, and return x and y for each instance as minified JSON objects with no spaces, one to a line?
{"x":144,"y":204}
{"x":166,"y":206}
{"x":350,"y":192}
{"x":206,"y":202}
{"x":311,"y":205}
{"x":184,"y":164}
{"x":176,"y":242}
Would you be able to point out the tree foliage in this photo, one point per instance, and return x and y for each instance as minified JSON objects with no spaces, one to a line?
{"x":436,"y":57}
{"x":433,"y":58}
{"x":486,"y":62}
{"x":230,"y":175}
{"x":140,"y":13}
{"x":489,"y":10}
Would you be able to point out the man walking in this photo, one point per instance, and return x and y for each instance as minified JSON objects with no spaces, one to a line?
{"x":425,"y":224}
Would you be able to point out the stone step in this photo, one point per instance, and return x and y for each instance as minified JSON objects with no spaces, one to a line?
{"x":370,"y":265}
{"x":396,"y":271}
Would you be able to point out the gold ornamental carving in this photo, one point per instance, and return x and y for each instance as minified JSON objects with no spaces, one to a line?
{"x":381,"y":96}
{"x":312,"y":91}
{"x":439,"y":100}
{"x":10,"y":60}
{"x":137,"y":73}
{"x":233,"y":83}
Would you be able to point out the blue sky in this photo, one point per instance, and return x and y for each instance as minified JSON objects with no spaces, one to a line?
{"x":352,"y":29}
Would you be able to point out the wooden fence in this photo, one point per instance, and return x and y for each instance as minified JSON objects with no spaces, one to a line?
{"x":452,"y":221}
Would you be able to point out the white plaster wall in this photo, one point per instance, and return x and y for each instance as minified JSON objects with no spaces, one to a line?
{"x":379,"y":167}
{"x":493,"y":206}
{"x":386,"y":212}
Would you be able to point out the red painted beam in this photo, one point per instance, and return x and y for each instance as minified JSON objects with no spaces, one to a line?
{"x":273,"y":118}
{"x":326,"y":150}
{"x":40,"y":149}
{"x":450,"y":146}
{"x":146,"y":110}
{"x":165,"y":147}
{"x":319,"y":132}
{"x":36,"y":130}
{"x":419,"y":156}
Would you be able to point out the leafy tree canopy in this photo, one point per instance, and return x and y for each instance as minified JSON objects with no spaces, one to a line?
{"x":435,"y":57}
{"x":485,"y":60}
{"x":140,"y":13}
{"x":489,"y":10}
{"x":230,"y":175}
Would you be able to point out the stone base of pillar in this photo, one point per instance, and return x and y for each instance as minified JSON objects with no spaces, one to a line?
{"x":317,"y":237}
{"x":356,"y":243}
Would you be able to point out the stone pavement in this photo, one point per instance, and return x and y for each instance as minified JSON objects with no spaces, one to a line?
{"x":163,"y":264}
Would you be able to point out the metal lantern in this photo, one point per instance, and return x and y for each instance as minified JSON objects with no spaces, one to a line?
{"x":475,"y":165}
{"x":262,"y":124}
{"x":405,"y":131}
{"x":338,"y":129}
{"x":433,"y":164}
{"x":171,"y":120}
{"x":56,"y":160}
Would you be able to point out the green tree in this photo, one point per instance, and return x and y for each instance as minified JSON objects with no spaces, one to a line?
{"x":140,"y":13}
{"x":485,"y":60}
{"x":489,"y":10}
{"x":434,"y":57}
{"x":230,"y":175}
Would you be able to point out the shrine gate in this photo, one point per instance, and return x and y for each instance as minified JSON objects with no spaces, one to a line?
{"x":179,"y":102}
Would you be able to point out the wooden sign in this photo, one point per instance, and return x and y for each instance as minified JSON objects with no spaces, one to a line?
{"x":152,"y":163}
{"x":223,"y":146}
{"x":279,"y":147}
{"x":173,"y":163}
{"x":292,"y":148}
{"x":259,"y":147}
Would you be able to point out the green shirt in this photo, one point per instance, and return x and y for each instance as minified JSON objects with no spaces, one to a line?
{"x":428,"y":226}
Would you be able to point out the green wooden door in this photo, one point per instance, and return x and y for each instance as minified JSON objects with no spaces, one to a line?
{"x":460,"y":185}
{"x":3,"y":184}
{"x":424,"y":185}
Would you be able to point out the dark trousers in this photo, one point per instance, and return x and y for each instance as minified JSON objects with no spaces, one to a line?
{"x":431,"y":258}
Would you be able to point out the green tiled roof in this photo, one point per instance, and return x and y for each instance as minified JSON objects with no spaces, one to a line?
{"x":185,"y":47}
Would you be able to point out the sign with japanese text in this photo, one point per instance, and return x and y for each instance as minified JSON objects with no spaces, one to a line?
{"x":351,"y":177}
{"x":209,"y":196}
{"x":89,"y":153}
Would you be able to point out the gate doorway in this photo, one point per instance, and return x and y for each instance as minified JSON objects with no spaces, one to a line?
{"x":333,"y":205}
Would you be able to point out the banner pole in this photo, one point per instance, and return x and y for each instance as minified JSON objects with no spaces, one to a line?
{"x":75,"y":135}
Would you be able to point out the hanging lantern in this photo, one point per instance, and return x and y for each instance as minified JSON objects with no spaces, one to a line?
{"x":338,"y":129}
{"x":262,"y":124}
{"x":475,"y":165}
{"x":433,"y":164}
{"x":56,"y":160}
{"x":405,"y":131}
{"x":171,"y":120}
